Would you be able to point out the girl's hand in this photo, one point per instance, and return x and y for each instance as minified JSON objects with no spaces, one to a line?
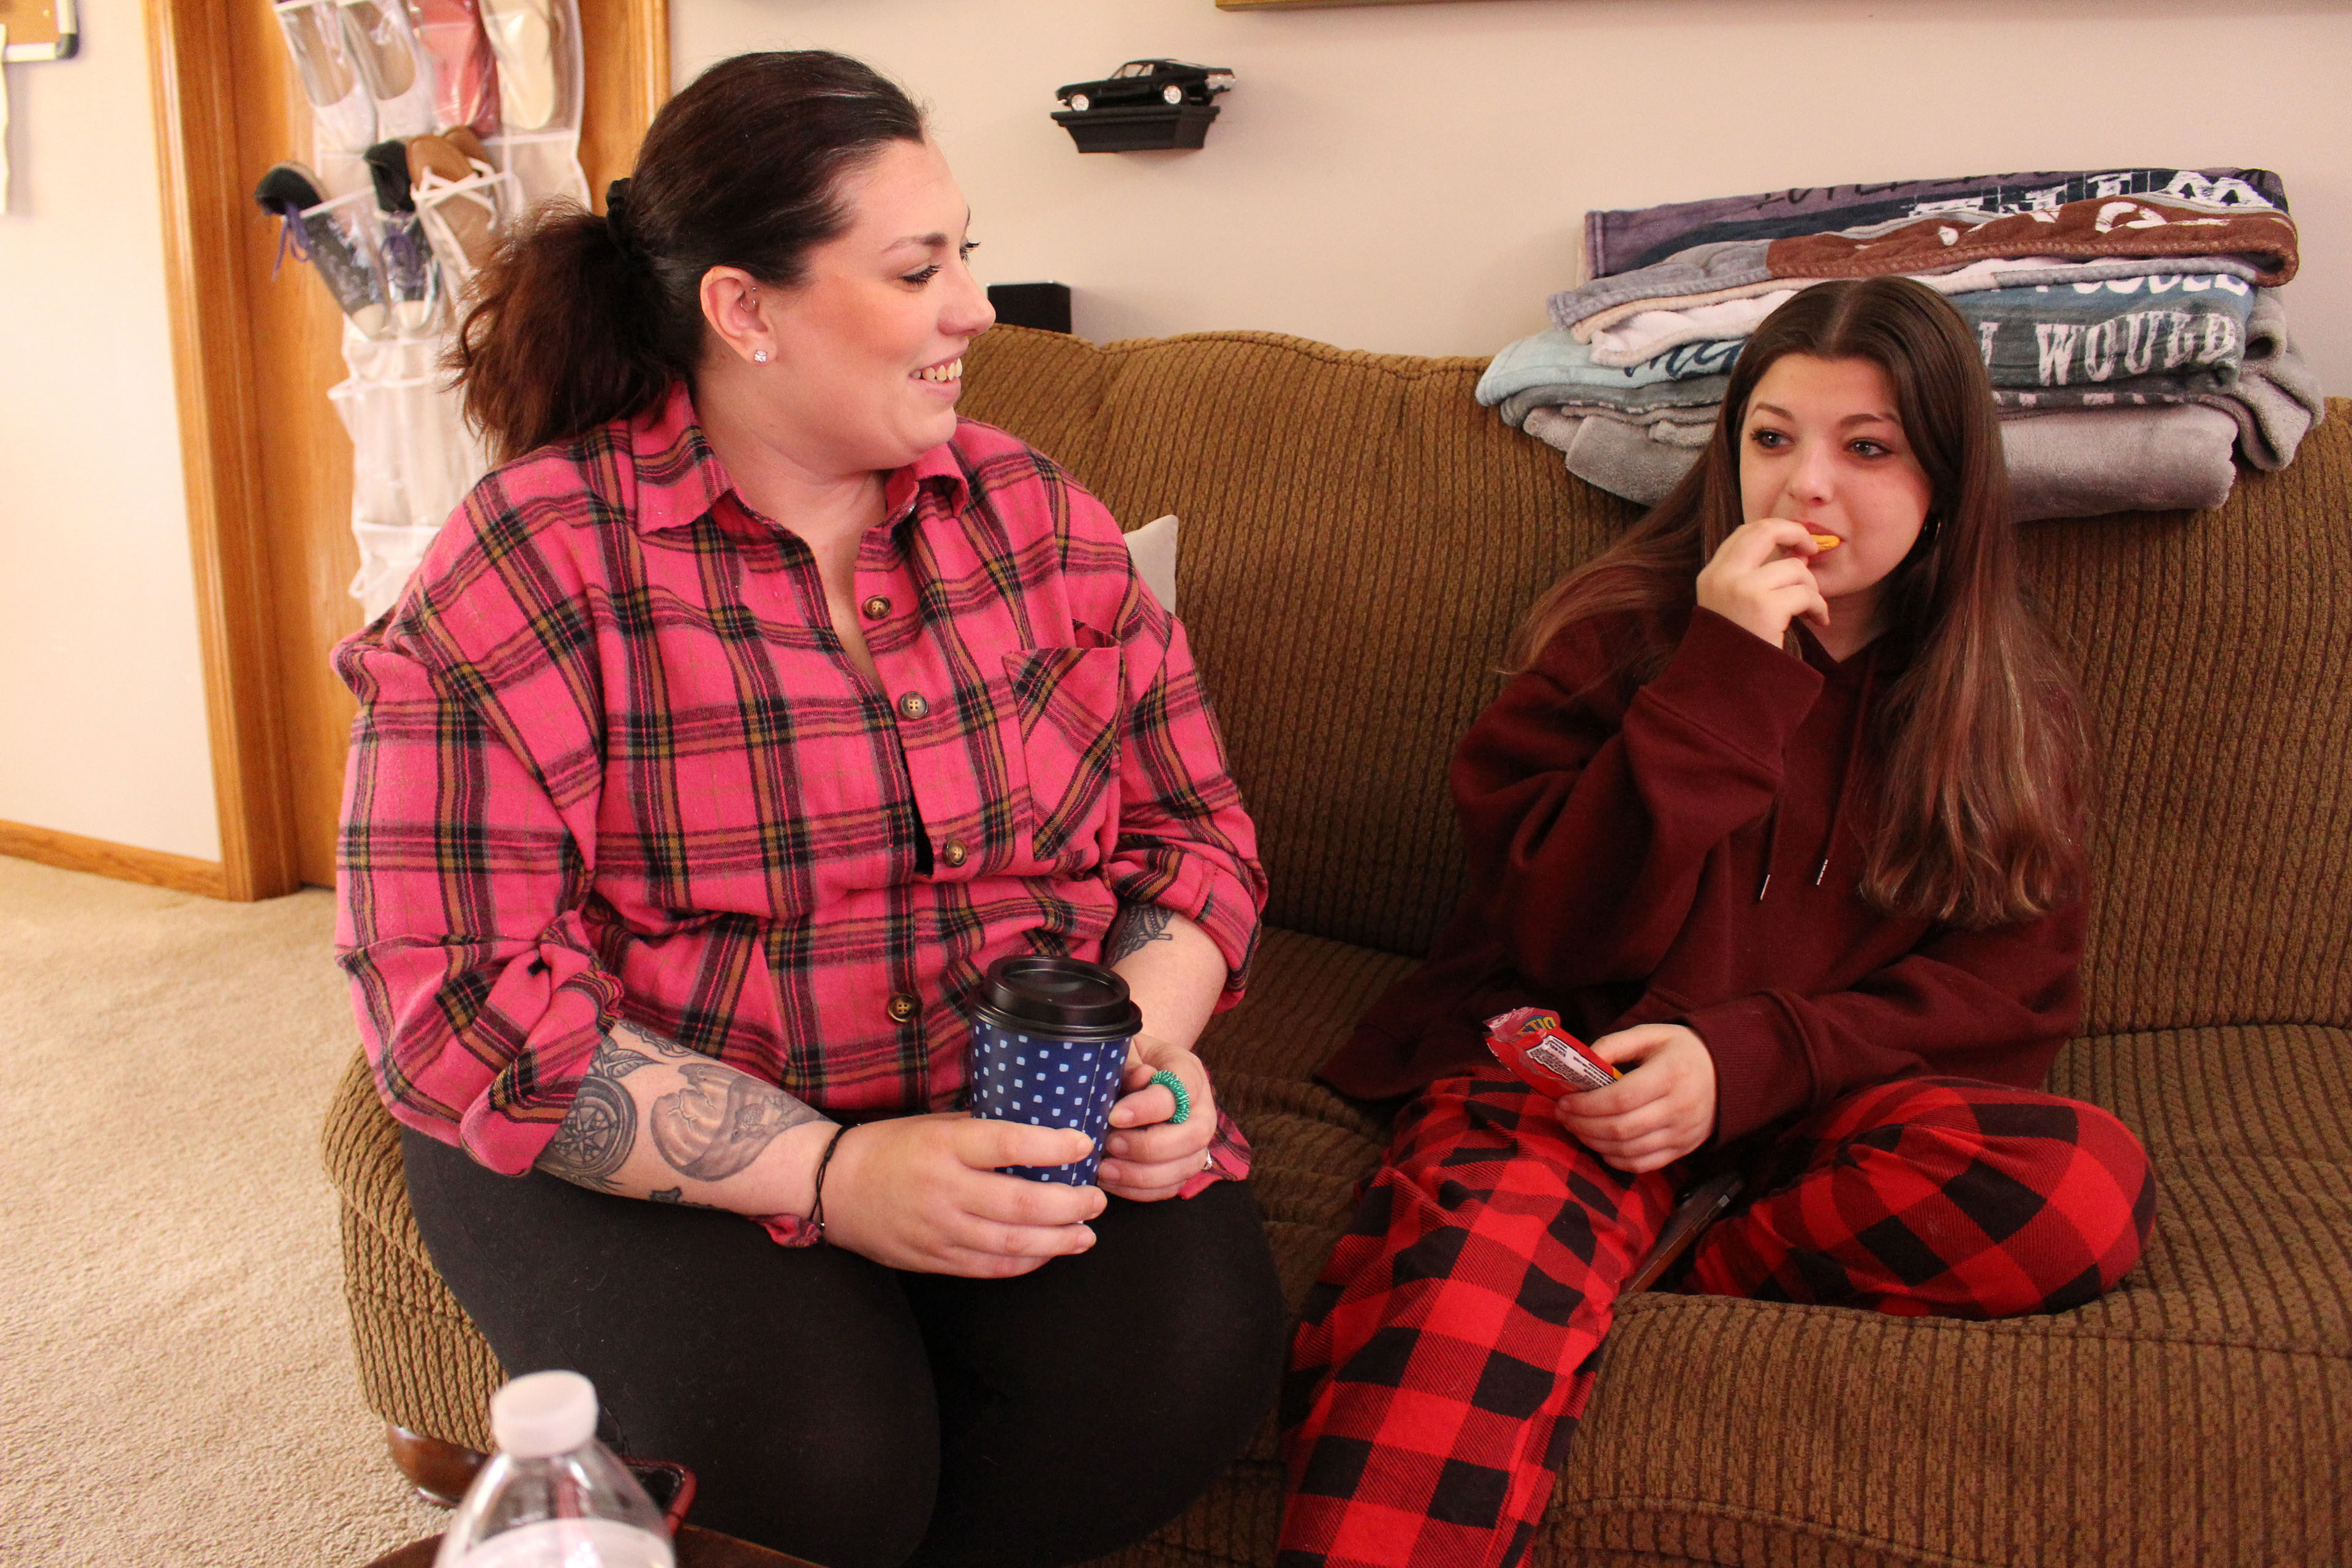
{"x":1156,"y":1156}
{"x":923,"y":1193}
{"x":1759,"y":579}
{"x":1659,"y":1111}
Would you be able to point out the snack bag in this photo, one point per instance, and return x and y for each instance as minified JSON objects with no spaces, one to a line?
{"x":1544,"y":1055}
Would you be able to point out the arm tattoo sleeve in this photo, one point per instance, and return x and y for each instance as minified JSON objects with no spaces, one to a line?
{"x":597,"y":1133}
{"x":720,"y":1121}
{"x":1137,"y":925}
{"x":710,"y":1130}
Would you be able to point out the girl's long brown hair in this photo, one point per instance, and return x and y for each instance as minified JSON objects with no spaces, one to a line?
{"x":1983,"y":734}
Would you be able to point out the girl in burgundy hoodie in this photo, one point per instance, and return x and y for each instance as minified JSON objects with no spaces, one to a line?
{"x":1783,"y":810}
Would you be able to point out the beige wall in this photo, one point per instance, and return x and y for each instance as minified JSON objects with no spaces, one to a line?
{"x":101,"y":688}
{"x":1413,"y":178}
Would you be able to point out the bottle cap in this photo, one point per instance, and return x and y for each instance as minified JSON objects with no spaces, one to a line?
{"x":543,"y":1414}
{"x":1067,"y":998}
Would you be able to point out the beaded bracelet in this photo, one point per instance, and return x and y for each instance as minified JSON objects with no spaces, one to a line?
{"x":1175,"y":1086}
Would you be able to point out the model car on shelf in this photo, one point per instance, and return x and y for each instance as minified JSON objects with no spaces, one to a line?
{"x":1139,"y":82}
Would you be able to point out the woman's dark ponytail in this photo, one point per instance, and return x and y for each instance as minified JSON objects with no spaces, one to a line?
{"x":579,"y":320}
{"x":556,"y":342}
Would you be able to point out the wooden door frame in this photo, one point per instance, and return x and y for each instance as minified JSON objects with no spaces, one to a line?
{"x":215,"y":363}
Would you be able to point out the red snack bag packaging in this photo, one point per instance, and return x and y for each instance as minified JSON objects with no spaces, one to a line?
{"x":1544,"y":1055}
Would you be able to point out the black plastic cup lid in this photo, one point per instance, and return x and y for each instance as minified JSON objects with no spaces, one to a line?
{"x":1064,"y":997}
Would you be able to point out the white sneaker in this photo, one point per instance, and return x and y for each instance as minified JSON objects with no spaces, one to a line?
{"x":391,"y":64}
{"x":339,"y":103}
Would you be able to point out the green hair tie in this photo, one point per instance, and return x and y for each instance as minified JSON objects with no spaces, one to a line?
{"x":1175,"y":1087}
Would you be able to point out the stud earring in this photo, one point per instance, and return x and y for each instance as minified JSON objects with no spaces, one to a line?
{"x":758,"y":356}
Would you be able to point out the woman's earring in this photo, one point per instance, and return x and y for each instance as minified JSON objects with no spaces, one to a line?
{"x":758,"y":356}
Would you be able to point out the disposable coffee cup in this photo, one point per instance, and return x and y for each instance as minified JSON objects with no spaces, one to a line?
{"x":1049,"y":1039}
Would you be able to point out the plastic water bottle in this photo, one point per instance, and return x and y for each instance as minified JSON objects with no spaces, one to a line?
{"x":553,"y":1497}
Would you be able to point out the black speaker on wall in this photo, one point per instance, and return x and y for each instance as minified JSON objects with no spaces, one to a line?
{"x":1041,"y":305}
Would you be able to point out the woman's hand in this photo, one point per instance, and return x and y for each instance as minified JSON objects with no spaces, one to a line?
{"x":1659,"y":1111}
{"x":1154,"y":1156}
{"x":1759,"y":579}
{"x":923,"y":1193}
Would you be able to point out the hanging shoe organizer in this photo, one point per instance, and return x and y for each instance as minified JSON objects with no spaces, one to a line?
{"x":435,"y":125}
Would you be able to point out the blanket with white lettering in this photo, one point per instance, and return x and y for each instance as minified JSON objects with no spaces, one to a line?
{"x":2189,"y":326}
{"x":1630,"y":339}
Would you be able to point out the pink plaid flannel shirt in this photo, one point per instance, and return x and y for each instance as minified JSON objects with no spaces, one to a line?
{"x":611,"y":762}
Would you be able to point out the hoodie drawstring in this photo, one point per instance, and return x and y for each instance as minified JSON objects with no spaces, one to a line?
{"x":1852,"y":766}
{"x":1845,"y":786}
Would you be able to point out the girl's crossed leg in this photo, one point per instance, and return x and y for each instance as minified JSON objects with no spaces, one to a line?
{"x":1452,"y":1342}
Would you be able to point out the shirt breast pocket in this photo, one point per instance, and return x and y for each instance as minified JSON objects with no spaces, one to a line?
{"x":1071,"y":703}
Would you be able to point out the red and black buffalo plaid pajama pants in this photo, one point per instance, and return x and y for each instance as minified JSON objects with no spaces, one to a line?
{"x":1449,"y":1349}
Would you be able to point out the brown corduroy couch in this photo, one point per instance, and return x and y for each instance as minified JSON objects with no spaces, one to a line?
{"x":1358,"y":538}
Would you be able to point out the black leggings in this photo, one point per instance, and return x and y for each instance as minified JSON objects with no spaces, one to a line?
{"x":862,"y":1417}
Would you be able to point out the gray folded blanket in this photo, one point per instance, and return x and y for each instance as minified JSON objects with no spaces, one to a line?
{"x":1613,"y":453}
{"x":2089,"y":462}
{"x":2277,"y":398}
{"x":2072,"y":463}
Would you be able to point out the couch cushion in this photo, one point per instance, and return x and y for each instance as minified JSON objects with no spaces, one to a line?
{"x":2214,"y":647}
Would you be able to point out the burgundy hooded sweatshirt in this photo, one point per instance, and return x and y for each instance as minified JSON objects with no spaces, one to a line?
{"x":1689,"y":850}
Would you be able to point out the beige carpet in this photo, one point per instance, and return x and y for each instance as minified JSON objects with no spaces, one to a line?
{"x":176,"y":1385}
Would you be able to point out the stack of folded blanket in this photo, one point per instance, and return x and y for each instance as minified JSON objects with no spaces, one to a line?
{"x":2128,"y":318}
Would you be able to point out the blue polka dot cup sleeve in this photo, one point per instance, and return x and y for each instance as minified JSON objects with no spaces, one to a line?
{"x":1049,"y":1043}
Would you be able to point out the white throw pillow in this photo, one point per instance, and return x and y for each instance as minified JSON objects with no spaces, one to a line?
{"x":1153,"y":548}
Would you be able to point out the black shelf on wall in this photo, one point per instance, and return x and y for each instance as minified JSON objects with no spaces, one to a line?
{"x":1138,"y":128}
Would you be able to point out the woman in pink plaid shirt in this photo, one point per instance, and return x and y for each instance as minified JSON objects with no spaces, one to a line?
{"x":727,"y":734}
